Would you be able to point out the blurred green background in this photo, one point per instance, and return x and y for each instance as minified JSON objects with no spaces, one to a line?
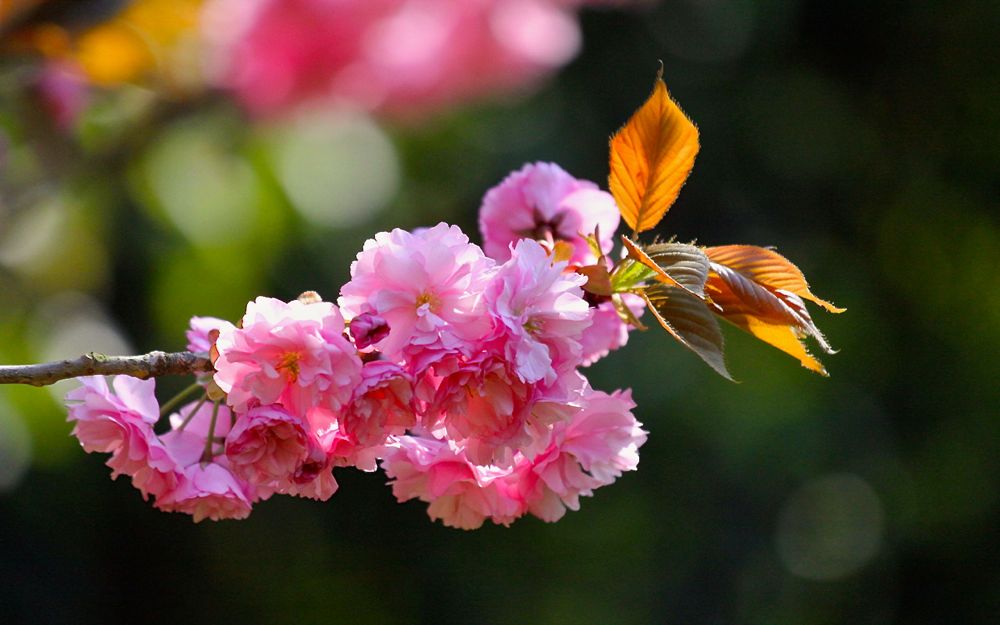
{"x":860,"y":138}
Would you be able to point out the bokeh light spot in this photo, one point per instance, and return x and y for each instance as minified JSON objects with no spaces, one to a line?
{"x":830,"y":527}
{"x":207,"y":192}
{"x":337,"y":167}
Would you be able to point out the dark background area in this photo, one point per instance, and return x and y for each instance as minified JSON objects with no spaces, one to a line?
{"x":860,"y":138}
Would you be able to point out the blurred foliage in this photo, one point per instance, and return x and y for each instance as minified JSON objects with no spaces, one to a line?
{"x":858,"y":137}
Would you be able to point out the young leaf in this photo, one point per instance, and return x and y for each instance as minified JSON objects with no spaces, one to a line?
{"x":651,"y":157}
{"x":628,"y":274}
{"x":774,"y":315}
{"x":769,"y":268}
{"x":625,"y":313}
{"x":598,"y":280}
{"x":674,"y":264}
{"x":689,"y":321}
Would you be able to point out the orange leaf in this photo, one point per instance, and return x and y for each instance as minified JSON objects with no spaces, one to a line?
{"x":769,"y":268}
{"x":651,"y":157}
{"x":782,"y":337}
{"x":776,"y":316}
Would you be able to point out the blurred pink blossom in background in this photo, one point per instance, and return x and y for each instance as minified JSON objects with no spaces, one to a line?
{"x":395,"y":56}
{"x":61,"y":89}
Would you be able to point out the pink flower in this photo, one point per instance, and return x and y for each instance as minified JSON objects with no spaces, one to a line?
{"x":461,"y":494}
{"x":282,"y":453}
{"x":592,"y":450}
{"x":119,"y":422}
{"x":208,"y":491}
{"x":550,"y":483}
{"x":540,"y":312}
{"x":200,"y":330}
{"x":483,"y":406}
{"x":291,"y":353}
{"x":427,"y":286}
{"x":267,"y":444}
{"x":314,"y":477}
{"x":344,"y":449}
{"x":390,"y":55}
{"x":190,"y":427}
{"x":608,"y":332}
{"x":184,"y":480}
{"x":277,"y":53}
{"x":542,"y":202}
{"x":605,"y":436}
{"x":383,"y":404}
{"x":170,"y":469}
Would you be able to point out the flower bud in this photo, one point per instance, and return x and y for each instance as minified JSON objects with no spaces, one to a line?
{"x":368,"y":329}
{"x":310,"y":297}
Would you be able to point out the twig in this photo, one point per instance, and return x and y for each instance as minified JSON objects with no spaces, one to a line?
{"x":151,"y":365}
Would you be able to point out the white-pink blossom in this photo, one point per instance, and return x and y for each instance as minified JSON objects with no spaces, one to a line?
{"x":383,"y":404}
{"x":195,"y":476}
{"x":541,"y":201}
{"x":604,"y":436}
{"x":395,"y":56}
{"x":290,"y":353}
{"x":426,"y":285}
{"x":173,"y":468}
{"x":268,"y":444}
{"x":481,"y":404}
{"x":591,"y":450}
{"x":118,"y":421}
{"x":539,"y":311}
{"x":208,"y":491}
{"x":460,"y":493}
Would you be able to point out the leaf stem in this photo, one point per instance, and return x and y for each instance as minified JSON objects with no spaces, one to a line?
{"x":207,"y":455}
{"x":177,"y":399}
{"x":197,"y":407}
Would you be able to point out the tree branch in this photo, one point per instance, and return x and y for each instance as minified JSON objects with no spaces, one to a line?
{"x":151,"y":365}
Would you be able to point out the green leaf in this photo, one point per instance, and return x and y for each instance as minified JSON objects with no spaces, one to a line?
{"x":628,"y":274}
{"x":688,"y":320}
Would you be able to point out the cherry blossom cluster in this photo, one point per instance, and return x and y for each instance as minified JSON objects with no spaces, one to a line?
{"x":456,"y":369}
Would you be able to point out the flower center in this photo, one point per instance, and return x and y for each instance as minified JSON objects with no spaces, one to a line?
{"x":532,"y":326}
{"x":545,"y":229}
{"x":289,"y":366}
{"x":429,"y":299}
